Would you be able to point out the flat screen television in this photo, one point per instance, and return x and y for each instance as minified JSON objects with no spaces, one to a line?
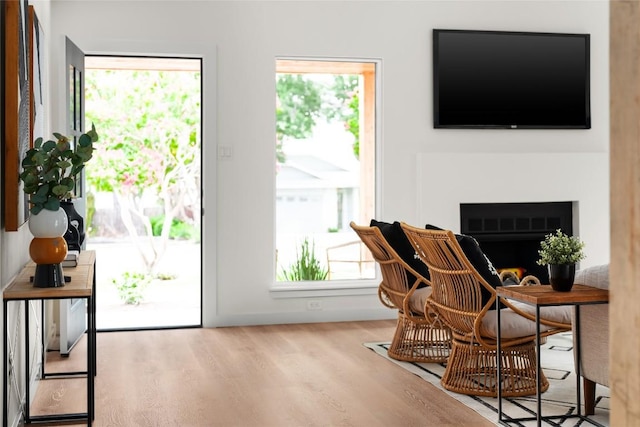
{"x":511,"y":80}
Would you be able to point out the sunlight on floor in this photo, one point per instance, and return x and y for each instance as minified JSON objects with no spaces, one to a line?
{"x":166,"y":303}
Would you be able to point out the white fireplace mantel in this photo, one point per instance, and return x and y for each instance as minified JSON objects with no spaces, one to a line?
{"x":445,"y":180}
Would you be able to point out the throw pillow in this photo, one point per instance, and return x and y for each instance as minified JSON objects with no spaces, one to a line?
{"x":480,"y":262}
{"x":394,"y":235}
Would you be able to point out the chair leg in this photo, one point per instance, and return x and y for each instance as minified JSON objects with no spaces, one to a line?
{"x":419,"y":341}
{"x":472,"y":369}
{"x":589,"y":396}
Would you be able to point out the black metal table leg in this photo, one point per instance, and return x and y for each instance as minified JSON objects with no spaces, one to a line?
{"x":538,"y":369}
{"x":499,"y":361}
{"x":578,"y":359}
{"x":27,"y":391}
{"x":90,"y":363}
{"x":7,"y":372}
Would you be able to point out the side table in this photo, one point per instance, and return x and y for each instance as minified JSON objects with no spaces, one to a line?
{"x":82,"y":285}
{"x":543,"y":296}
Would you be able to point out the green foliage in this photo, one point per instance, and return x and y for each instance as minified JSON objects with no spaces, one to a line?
{"x":298,"y":107}
{"x":302,"y":100}
{"x":131,"y":286}
{"x":299,"y":104}
{"x":152,"y":151}
{"x":560,"y":248}
{"x":345,"y":88}
{"x":49,"y":169}
{"x":179,"y":229}
{"x":153,"y":119}
{"x":306,"y":266}
{"x":352,"y":123}
{"x":91,"y":210}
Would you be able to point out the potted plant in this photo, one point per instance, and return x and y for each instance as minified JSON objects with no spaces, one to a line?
{"x":560,"y":253}
{"x":50,"y":169}
{"x":49,"y":173}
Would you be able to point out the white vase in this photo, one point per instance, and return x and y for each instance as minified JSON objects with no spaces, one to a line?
{"x":48,"y":248}
{"x":48,"y":224}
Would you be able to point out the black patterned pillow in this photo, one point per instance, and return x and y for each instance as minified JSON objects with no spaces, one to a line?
{"x":480,"y":262}
{"x":394,"y":235}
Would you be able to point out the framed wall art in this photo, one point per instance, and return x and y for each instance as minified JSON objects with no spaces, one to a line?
{"x":36,"y":77}
{"x":17,"y":100}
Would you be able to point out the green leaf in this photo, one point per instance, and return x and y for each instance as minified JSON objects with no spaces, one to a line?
{"x":36,"y":209}
{"x":52,"y":175}
{"x":48,"y":146}
{"x":43,"y":191}
{"x":63,"y":145}
{"x":85,"y":140}
{"x":60,"y":190}
{"x":68,"y":182}
{"x":52,"y":204}
{"x":63,"y":164}
{"x":39,"y":198}
{"x":29,"y":179}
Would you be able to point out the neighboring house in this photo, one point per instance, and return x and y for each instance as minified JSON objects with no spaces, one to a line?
{"x":317,"y":187}
{"x":314,"y":195}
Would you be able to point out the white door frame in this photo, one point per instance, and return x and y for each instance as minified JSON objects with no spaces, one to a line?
{"x":169,"y":48}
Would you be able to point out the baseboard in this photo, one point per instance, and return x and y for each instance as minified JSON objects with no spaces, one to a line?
{"x":303,"y":317}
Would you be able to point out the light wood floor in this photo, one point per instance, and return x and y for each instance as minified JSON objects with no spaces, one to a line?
{"x":284,"y":375}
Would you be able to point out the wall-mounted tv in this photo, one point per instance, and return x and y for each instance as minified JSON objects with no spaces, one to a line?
{"x":511,"y":80}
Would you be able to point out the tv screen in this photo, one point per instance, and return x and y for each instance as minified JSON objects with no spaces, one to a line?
{"x":513,"y":80}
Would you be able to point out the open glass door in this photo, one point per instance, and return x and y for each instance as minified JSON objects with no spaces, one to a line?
{"x":73,"y":321}
{"x":143,"y":188}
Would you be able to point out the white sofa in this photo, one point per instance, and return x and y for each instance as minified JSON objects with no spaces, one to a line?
{"x":594,"y":334}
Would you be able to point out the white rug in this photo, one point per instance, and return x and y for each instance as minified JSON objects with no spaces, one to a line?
{"x":559,"y":399}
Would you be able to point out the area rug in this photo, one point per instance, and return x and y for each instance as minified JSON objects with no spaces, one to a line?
{"x":559,"y":399}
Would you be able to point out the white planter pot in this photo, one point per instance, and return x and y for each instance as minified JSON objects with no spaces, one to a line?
{"x":48,"y":224}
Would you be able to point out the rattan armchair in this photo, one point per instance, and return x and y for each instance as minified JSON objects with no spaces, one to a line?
{"x":465,"y":302}
{"x":418,"y":338}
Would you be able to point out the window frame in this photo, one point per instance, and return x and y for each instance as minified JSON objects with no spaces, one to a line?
{"x":371,"y":70}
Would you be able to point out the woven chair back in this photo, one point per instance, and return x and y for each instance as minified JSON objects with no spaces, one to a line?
{"x":395,"y":283}
{"x":457,"y":286}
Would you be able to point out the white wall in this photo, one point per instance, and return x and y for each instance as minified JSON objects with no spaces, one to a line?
{"x":580,"y":177}
{"x":14,"y":254}
{"x":240,"y":41}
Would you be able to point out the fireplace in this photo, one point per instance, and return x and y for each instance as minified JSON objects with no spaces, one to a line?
{"x":510,"y":233}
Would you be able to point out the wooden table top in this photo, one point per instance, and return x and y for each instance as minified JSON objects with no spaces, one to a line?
{"x":544,"y":295}
{"x":80,"y":286}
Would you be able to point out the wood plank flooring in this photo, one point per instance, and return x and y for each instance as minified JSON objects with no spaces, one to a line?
{"x":282,"y":375}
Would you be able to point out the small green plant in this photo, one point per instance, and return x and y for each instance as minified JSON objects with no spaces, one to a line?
{"x":560,"y":248}
{"x":131,"y":286}
{"x":306,"y":266}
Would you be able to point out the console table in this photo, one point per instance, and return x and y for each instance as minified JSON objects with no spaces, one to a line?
{"x":543,"y":296}
{"x":81,"y":285}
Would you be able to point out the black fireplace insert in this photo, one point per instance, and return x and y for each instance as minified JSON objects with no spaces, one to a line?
{"x":510,"y":233}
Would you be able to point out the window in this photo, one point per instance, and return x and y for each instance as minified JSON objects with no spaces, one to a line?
{"x":325,"y":160}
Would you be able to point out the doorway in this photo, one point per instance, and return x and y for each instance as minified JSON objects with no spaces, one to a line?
{"x":143,"y":190}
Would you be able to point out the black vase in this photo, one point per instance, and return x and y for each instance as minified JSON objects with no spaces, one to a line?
{"x":75,"y":231}
{"x":561,"y":276}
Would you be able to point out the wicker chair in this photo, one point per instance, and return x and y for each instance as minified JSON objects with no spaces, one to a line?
{"x":465,"y":302}
{"x":418,"y":338}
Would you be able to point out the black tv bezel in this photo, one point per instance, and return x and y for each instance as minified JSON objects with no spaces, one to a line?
{"x":436,"y":93}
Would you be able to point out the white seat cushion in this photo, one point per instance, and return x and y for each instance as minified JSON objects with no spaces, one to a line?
{"x":514,"y":325}
{"x":419,"y":298}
